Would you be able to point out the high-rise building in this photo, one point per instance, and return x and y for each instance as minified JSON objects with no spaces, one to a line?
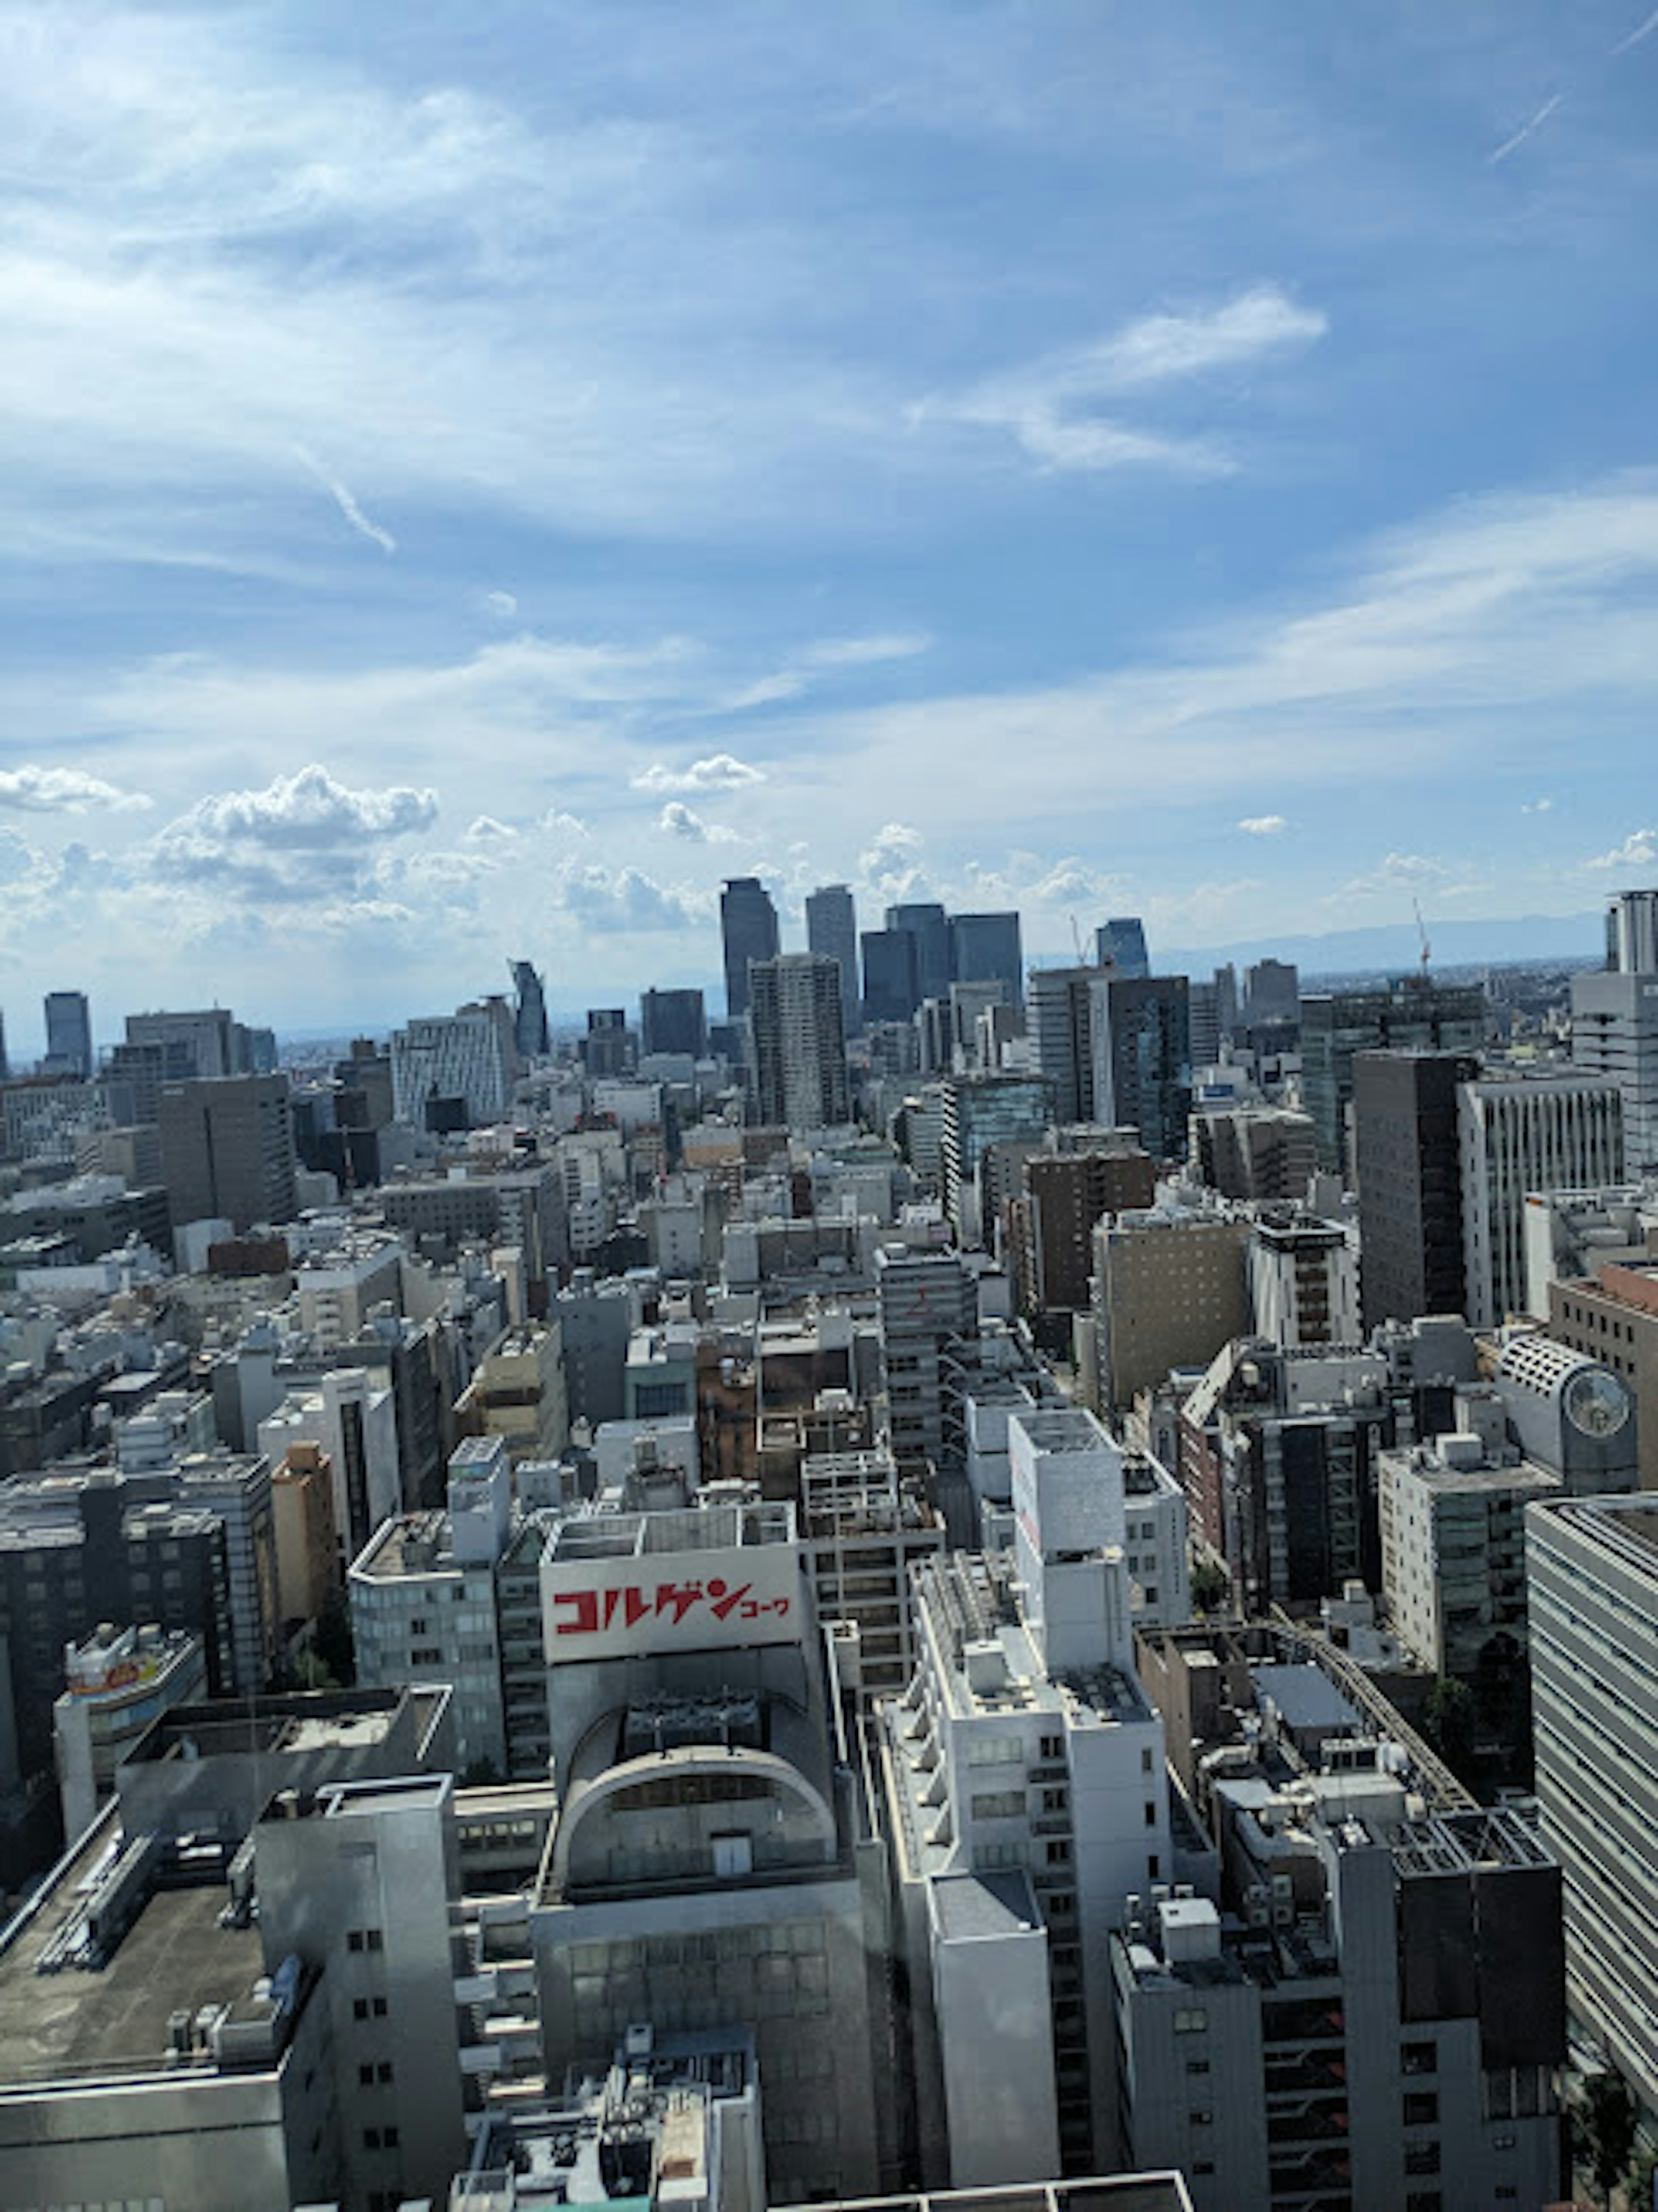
{"x":1254,"y":1152}
{"x":832,"y":931}
{"x":1051,"y":1222}
{"x":227,"y":1150}
{"x":672,"y":1022}
{"x":68,"y":1033}
{"x":1168,"y":1291}
{"x":1303,"y":1280}
{"x":1271,"y":994}
{"x":1407,"y":1157}
{"x":928,"y":1307}
{"x":985,"y":948}
{"x":1518,"y":1134}
{"x":530,"y":1032}
{"x":1632,"y":933}
{"x":979,"y":1111}
{"x":1142,"y":1055}
{"x":799,"y":1042}
{"x":892,"y":989}
{"x":469,"y":1056}
{"x":928,"y":924}
{"x":1615,"y":1021}
{"x":1335,"y":1025}
{"x":1592,"y":1573}
{"x":607,"y":1049}
{"x":196,"y":1046}
{"x":748,"y":930}
{"x":1120,"y":943}
{"x":1060,"y":1014}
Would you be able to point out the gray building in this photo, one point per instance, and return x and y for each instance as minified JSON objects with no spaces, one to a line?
{"x":1407,"y":1157}
{"x":892,"y":982}
{"x":1120,"y":943}
{"x":748,"y":932}
{"x":926,"y":920}
{"x":672,"y":1022}
{"x":227,"y":1150}
{"x":1517,"y":1134}
{"x":1335,"y":1025}
{"x":832,"y":932}
{"x":68,"y":1033}
{"x":799,"y":1042}
{"x":985,"y":948}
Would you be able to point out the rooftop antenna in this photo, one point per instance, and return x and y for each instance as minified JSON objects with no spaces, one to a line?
{"x":1421,"y":932}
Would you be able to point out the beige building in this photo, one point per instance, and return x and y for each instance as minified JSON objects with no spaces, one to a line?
{"x":1170,"y":1289}
{"x":517,"y":1394}
{"x":1614,"y":1318}
{"x":308,"y":1542}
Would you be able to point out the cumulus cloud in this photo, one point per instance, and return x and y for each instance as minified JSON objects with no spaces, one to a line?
{"x":679,"y":820}
{"x":1638,"y":850}
{"x":65,"y":791}
{"x":1263,"y":825}
{"x":1537,"y":806}
{"x":719,"y":772}
{"x":486,"y":830}
{"x":623,"y":901}
{"x":888,"y":863}
{"x":298,"y":828}
{"x":502,"y":605}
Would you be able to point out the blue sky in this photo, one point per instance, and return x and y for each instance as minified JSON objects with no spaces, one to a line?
{"x":474,"y":483}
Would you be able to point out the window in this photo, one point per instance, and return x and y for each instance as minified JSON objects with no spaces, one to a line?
{"x":1000,"y":1804}
{"x":1051,"y":1747}
{"x":1197,"y":2065}
{"x":1151,"y":1812}
{"x":1194,"y":2021}
{"x":1421,"y":2109}
{"x":1059,"y":1850}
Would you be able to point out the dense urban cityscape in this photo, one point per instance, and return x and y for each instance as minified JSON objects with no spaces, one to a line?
{"x":951,"y":1577}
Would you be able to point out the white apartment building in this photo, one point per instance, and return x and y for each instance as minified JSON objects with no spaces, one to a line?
{"x":470,"y":1055}
{"x":346,"y":1416}
{"x":1303,"y":1281}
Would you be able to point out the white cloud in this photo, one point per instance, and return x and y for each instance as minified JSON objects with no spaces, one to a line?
{"x":64,"y":790}
{"x":484,"y":829}
{"x":300,"y":831}
{"x":501,"y":604}
{"x":1263,"y":825}
{"x":342,"y":497}
{"x":1638,"y":850}
{"x":679,"y":820}
{"x":1537,"y":806}
{"x":624,"y":901}
{"x":1055,"y":408}
{"x":825,"y":656}
{"x":720,"y":772}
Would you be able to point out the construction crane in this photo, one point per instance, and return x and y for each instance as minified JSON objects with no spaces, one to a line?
{"x":1421,"y":932}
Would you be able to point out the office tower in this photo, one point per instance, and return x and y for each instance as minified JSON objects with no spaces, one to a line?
{"x":892,"y":989}
{"x":1025,"y":1720}
{"x":1271,"y":994}
{"x":464,"y":1064}
{"x":674,"y":1022}
{"x":799,"y":1042}
{"x":1169,"y":1290}
{"x":1052,"y":1219}
{"x":1335,"y":1025}
{"x":1203,"y":1017}
{"x":5,"y":1064}
{"x":985,"y":948}
{"x":1142,"y":1060}
{"x":68,"y":1033}
{"x":1407,"y":1158}
{"x":928,"y":924}
{"x":1303,"y":1280}
{"x":607,"y":1049}
{"x":1254,"y":1152}
{"x":1120,"y":943}
{"x":832,"y":931}
{"x":1632,"y":933}
{"x":227,"y":1150}
{"x":1516,"y":1136}
{"x":928,"y":1307}
{"x":1615,"y":1022}
{"x":748,"y":930}
{"x":196,"y":1046}
{"x":979,"y":1111}
{"x":530,"y":1032}
{"x":1592,"y":1574}
{"x":1060,"y":1017}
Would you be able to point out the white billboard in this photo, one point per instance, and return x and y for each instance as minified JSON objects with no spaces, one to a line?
{"x":632,"y":1606}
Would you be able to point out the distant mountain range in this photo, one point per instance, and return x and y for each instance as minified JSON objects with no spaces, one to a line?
{"x":1396,"y":947}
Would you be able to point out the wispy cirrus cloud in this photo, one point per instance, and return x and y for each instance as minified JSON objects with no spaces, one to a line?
{"x":1064,"y":410}
{"x":343,"y":498}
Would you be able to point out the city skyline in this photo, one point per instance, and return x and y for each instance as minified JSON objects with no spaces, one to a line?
{"x":473,"y":497}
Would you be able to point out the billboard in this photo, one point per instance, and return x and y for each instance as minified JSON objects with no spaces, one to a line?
{"x":631,"y":1606}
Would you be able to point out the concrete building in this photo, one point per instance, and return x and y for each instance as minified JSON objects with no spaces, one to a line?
{"x":748,"y":932}
{"x":517,"y":1392}
{"x":424,"y":1605}
{"x":191,"y":1048}
{"x":354,"y":1424}
{"x":463,"y":1063}
{"x":309,"y":1567}
{"x":1262,"y":1152}
{"x":1408,"y":1162}
{"x":1117,"y":1050}
{"x":892,"y":981}
{"x":1518,"y":1135}
{"x":799,"y":1042}
{"x":1271,"y":994}
{"x":1024,"y":1776}
{"x":1051,"y":1221}
{"x":337,"y":1288}
{"x":227,"y":1150}
{"x":711,"y":1865}
{"x":1303,"y":1280}
{"x":979,"y":1111}
{"x":1170,"y":1288}
{"x":1336,"y":1026}
{"x":927,"y":1304}
{"x":672,"y":1022}
{"x":1571,"y":1234}
{"x":1632,"y":933}
{"x":1613,"y":1317}
{"x":1614,"y":1033}
{"x":1592,"y":1569}
{"x":864,"y":1528}
{"x":832,"y":933}
{"x":116,"y":1685}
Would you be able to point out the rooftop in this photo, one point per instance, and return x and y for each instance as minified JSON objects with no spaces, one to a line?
{"x":603,"y":1536}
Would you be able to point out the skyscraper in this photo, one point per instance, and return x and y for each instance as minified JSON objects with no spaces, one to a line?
{"x":530,"y":1012}
{"x":1121,"y":944}
{"x":891,"y":978}
{"x":1408,"y":1161}
{"x":1117,"y":1050}
{"x":1615,"y":1021}
{"x":1411,"y":1010}
{"x":68,"y":1033}
{"x":928,"y":924}
{"x":985,"y":948}
{"x":748,"y":930}
{"x":672,"y":1021}
{"x":227,"y":1150}
{"x":799,"y":1042}
{"x":832,"y":931}
{"x":1632,"y":933}
{"x":1539,"y":1131}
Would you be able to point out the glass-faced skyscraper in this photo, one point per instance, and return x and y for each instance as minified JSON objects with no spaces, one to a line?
{"x":69,"y":1033}
{"x":1120,"y":943}
{"x":748,"y":929}
{"x":832,"y":931}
